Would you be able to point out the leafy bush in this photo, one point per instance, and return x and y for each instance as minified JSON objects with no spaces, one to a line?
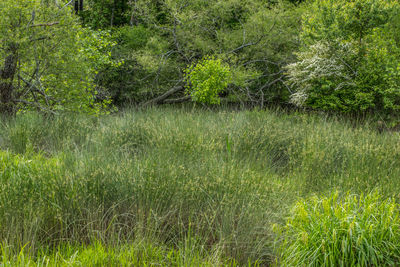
{"x":350,"y":59}
{"x":207,"y":79}
{"x":348,"y":231}
{"x":320,"y":77}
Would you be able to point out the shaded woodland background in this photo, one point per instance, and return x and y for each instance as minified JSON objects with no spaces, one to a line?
{"x":87,"y":55}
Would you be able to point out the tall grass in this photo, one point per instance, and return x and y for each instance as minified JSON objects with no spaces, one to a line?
{"x":173,"y":176}
{"x":343,"y":231}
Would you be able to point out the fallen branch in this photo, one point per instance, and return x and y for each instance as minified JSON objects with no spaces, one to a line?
{"x":177,"y":100}
{"x":163,"y":96}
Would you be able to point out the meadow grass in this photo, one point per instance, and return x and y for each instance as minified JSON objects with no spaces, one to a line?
{"x":206,"y":186}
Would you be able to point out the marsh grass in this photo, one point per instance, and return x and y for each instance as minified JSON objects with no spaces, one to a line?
{"x":343,"y":231}
{"x":174,"y":175}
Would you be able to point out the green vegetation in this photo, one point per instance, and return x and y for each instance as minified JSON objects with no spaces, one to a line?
{"x":202,"y":183}
{"x":341,"y":56}
{"x":207,"y":79}
{"x":355,"y":231}
{"x":137,"y":254}
{"x":161,"y":39}
{"x":350,"y":59}
{"x":50,"y":60}
{"x":207,"y":185}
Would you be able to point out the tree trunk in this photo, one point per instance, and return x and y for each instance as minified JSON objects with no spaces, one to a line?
{"x":113,"y":14}
{"x":6,"y":82}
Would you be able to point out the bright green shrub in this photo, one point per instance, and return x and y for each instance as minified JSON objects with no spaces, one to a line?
{"x":207,"y":79}
{"x":350,"y":57}
{"x":347,"y":231}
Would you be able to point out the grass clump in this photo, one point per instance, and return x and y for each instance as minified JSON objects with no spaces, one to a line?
{"x":343,"y":231}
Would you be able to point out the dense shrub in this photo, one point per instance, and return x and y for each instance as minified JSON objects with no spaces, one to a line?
{"x":350,"y":59}
{"x":140,"y":75}
{"x":207,"y":79}
{"x":105,"y":13}
{"x":343,"y":231}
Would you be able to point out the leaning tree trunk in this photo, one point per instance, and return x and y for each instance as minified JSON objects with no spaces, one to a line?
{"x":7,"y":74}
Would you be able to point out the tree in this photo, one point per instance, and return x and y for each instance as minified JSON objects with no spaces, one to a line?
{"x":49,"y":59}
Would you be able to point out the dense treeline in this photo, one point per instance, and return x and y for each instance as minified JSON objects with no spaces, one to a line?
{"x":324,"y":54}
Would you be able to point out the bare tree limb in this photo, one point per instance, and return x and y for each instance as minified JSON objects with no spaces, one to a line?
{"x":244,"y":45}
{"x":163,"y":96}
{"x":67,"y":4}
{"x":36,"y":89}
{"x":46,"y":24}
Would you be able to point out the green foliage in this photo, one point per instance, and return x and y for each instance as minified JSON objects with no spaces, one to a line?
{"x":256,"y":39}
{"x":102,"y":14}
{"x":345,"y":20}
{"x":350,"y":57}
{"x":144,"y":70}
{"x":207,"y":79}
{"x":381,"y":70}
{"x":140,"y":253}
{"x":57,"y":58}
{"x":343,"y":231}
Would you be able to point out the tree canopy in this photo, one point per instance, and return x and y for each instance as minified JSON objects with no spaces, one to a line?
{"x":49,"y":59}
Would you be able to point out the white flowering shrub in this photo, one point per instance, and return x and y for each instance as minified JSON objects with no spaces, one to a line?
{"x":350,"y":60}
{"x":320,"y":66}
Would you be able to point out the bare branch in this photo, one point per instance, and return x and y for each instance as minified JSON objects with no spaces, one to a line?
{"x":37,"y":105}
{"x":46,"y":24}
{"x":163,"y":96}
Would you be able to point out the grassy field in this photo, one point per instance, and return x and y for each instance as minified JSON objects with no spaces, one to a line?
{"x":175,"y":186}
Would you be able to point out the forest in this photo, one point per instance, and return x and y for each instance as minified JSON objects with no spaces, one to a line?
{"x":199,"y":133}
